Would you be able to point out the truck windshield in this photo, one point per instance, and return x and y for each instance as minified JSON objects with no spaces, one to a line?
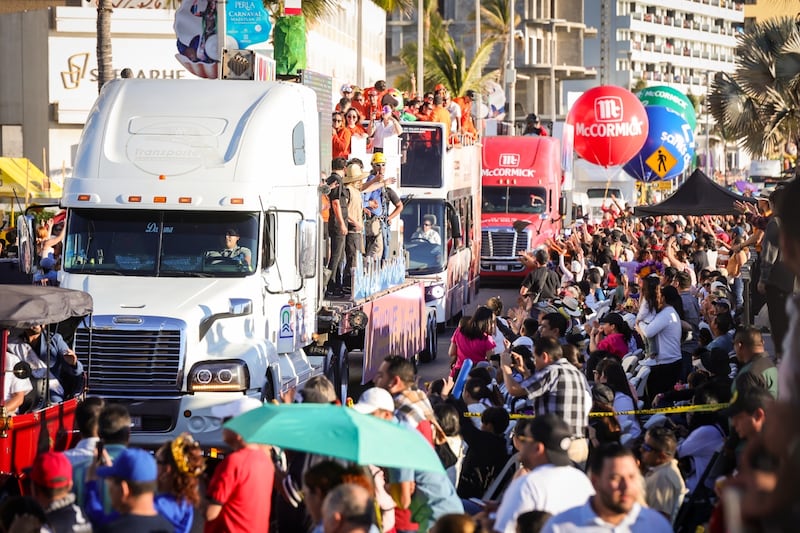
{"x":161,"y":243}
{"x":595,"y":194}
{"x":424,"y":236}
{"x":421,"y":150}
{"x":498,"y":199}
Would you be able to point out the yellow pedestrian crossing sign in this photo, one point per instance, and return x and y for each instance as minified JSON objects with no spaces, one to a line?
{"x":661,"y":161}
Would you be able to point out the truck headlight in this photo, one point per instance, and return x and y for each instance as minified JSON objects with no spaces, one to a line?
{"x":434,"y":292}
{"x":222,"y":376}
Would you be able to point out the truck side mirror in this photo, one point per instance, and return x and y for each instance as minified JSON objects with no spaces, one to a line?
{"x":241,"y":306}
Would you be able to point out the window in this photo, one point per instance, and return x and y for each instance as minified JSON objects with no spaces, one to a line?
{"x":421,"y":148}
{"x":161,"y":243}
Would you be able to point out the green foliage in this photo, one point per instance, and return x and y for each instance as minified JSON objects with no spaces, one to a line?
{"x":759,"y":104}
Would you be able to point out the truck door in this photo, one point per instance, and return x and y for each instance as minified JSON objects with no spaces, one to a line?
{"x":289,"y":251}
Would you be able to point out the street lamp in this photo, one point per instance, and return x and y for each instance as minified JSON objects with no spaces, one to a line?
{"x":553,"y":45}
{"x":511,"y":71}
{"x":708,"y":127}
{"x":420,"y":43}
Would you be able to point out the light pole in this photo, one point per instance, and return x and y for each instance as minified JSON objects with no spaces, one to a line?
{"x":511,"y":71}
{"x":477,"y":26}
{"x":420,"y":44}
{"x":708,"y":126}
{"x":553,"y":41}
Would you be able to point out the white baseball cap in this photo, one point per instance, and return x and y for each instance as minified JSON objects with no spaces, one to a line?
{"x":373,"y":399}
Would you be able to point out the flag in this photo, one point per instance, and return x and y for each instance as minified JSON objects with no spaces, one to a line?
{"x":292,"y":7}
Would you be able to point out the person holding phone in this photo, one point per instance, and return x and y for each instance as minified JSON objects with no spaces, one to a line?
{"x":380,"y":129}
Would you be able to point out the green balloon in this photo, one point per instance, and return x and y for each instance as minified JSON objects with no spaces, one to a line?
{"x":663,"y":95}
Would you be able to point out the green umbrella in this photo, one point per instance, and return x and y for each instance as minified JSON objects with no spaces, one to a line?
{"x":337,"y":431}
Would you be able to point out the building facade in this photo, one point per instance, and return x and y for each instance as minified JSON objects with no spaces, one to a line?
{"x":549,"y":44}
{"x":49,"y":65}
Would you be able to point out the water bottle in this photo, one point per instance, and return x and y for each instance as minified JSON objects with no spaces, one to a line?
{"x":461,"y":380}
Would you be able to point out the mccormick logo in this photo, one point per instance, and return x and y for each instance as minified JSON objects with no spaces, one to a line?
{"x":609,"y":121}
{"x":509,"y":160}
{"x":608,"y":109}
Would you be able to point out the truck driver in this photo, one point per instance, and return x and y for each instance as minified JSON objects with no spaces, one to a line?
{"x":232,"y":249}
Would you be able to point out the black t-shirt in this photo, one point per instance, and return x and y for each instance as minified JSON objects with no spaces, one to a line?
{"x":133,"y":523}
{"x":341,"y":194}
{"x":393,"y":198}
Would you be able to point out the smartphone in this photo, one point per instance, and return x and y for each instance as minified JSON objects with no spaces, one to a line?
{"x":478,"y":502}
{"x":100,"y":448}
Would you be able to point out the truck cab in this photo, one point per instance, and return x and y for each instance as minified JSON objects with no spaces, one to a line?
{"x":193,"y":222}
{"x":520,"y":210}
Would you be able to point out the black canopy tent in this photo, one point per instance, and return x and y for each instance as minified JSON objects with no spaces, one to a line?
{"x":699,"y":195}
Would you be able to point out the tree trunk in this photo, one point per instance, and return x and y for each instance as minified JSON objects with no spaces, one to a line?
{"x":105,"y":71}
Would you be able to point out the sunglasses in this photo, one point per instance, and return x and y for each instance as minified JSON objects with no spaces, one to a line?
{"x":647,"y":448}
{"x":352,"y":117}
{"x":379,"y":164}
{"x":337,"y":120}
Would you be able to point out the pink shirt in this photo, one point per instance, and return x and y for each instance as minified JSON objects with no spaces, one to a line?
{"x":614,"y":344}
{"x":475,"y":349}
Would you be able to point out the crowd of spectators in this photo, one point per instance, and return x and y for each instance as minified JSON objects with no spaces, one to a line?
{"x":374,"y":113}
{"x":625,"y":390}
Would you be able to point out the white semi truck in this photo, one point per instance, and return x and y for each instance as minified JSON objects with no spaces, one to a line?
{"x":194,"y":222}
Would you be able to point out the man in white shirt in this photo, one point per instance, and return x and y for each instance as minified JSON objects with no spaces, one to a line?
{"x":615,"y":506}
{"x":14,"y":388}
{"x":553,"y":484}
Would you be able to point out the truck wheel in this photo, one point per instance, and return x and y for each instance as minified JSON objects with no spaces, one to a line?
{"x":338,"y":370}
{"x":268,"y":391}
{"x":428,"y":353}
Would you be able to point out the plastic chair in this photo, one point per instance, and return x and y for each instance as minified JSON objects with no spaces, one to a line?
{"x":639,"y":381}
{"x":629,"y":363}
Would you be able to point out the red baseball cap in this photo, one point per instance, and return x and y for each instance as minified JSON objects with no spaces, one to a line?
{"x":52,"y":470}
{"x":439,"y":87}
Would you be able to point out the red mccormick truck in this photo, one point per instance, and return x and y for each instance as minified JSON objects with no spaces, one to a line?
{"x":521,"y":180}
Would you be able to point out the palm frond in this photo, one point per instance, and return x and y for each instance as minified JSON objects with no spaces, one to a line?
{"x":400,"y":6}
{"x":759,"y":104}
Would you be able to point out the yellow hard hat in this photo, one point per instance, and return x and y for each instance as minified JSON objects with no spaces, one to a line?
{"x":378,"y":157}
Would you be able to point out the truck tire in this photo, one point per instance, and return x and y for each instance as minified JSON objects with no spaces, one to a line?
{"x":338,"y":368}
{"x":428,"y":353}
{"x":268,"y":391}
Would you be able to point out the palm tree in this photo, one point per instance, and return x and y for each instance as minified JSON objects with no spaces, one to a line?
{"x":448,"y":64}
{"x":105,"y":69}
{"x":494,"y":27}
{"x":759,"y":103}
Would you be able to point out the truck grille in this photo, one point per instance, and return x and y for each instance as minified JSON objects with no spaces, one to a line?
{"x":502,"y":243}
{"x":131,"y":362}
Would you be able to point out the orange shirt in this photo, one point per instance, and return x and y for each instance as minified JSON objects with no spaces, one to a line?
{"x":340,"y":143}
{"x":440,"y":114}
{"x":466,"y":115}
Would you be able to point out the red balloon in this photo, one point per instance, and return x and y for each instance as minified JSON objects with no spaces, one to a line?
{"x":610,"y":125}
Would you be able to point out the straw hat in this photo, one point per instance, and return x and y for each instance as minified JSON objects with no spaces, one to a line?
{"x":353,"y":174}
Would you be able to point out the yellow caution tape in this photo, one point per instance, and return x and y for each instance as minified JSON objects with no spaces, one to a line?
{"x":662,"y":410}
